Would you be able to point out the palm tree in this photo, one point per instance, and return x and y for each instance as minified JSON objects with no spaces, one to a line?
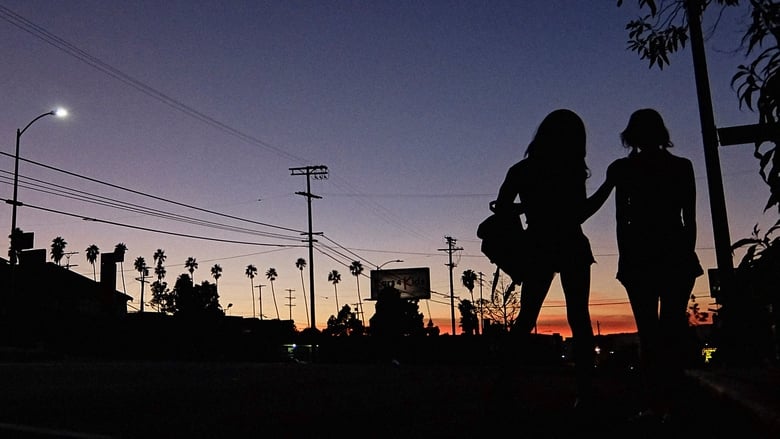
{"x":92,"y":254}
{"x":143,"y":270}
{"x":119,"y":251}
{"x":335,"y":277}
{"x":58,"y":245}
{"x":251,"y":272}
{"x":191,"y":264}
{"x":159,"y":271}
{"x":300,"y":263}
{"x":469,"y":279}
{"x":159,"y":259}
{"x":271,"y":275}
{"x":356,"y":268}
{"x":216,"y":273}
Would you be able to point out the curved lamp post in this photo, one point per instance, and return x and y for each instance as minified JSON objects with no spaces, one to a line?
{"x":385,"y":263}
{"x":60,"y":112}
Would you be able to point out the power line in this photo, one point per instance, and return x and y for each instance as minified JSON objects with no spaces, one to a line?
{"x":110,"y":202}
{"x":358,"y":257}
{"x":143,"y":194}
{"x":135,"y":208}
{"x":66,"y":192}
{"x":25,"y":25}
{"x":71,"y":49}
{"x":163,"y":232}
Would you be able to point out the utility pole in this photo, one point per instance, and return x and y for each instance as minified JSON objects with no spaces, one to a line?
{"x":730,"y":326}
{"x":450,"y":250}
{"x":289,"y":301}
{"x":318,"y":172}
{"x":143,"y":281}
{"x":720,"y":224}
{"x":67,"y":260}
{"x":260,"y":298}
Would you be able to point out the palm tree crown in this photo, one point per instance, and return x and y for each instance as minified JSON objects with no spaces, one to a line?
{"x":216,"y":273}
{"x":271,"y":275}
{"x":92,"y":254}
{"x":159,"y":259}
{"x":191,"y":264}
{"x":58,"y":245}
{"x":469,"y":278}
{"x":335,"y":277}
{"x":159,"y":256}
{"x":251,"y":272}
{"x":140,"y":265}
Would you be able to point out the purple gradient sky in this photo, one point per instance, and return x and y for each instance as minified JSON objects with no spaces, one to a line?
{"x":417,"y":109}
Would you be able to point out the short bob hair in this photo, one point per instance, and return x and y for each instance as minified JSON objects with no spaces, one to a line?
{"x":646,"y":129}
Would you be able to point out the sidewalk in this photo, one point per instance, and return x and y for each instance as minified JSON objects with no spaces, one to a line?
{"x":756,"y":390}
{"x":207,"y":400}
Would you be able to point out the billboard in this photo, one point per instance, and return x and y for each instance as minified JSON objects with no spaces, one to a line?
{"x":412,"y":283}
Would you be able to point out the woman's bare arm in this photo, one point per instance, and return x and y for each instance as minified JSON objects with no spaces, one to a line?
{"x":595,"y":201}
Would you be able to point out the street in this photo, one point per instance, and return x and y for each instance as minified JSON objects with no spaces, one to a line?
{"x":209,"y":400}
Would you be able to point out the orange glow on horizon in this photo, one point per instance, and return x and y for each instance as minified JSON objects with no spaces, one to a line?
{"x":602,"y":324}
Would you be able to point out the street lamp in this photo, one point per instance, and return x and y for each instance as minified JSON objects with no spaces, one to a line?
{"x":385,"y":263}
{"x":59,"y":112}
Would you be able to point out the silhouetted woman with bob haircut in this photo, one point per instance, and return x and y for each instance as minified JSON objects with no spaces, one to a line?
{"x":655,"y":208}
{"x":549,"y":184}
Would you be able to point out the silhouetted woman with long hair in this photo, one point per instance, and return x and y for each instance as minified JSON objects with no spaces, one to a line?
{"x":655,"y":208}
{"x":549,"y":184}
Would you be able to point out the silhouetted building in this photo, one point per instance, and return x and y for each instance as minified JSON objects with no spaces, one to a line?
{"x":43,"y":304}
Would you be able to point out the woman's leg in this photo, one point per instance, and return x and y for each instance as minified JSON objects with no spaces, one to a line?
{"x":576,"y":289}
{"x":674,"y":337}
{"x":643,"y":296}
{"x":532,"y":294}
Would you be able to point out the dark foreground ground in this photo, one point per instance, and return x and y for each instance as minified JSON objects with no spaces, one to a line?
{"x":80,"y":399}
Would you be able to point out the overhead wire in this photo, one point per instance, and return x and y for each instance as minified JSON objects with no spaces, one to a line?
{"x":28,"y":26}
{"x":71,"y":49}
{"x":356,"y":256}
{"x":43,"y":186}
{"x":144,"y":194}
{"x":149,"y":229}
{"x":100,"y":200}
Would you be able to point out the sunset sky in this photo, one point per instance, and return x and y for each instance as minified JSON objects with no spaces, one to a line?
{"x":416,"y":108}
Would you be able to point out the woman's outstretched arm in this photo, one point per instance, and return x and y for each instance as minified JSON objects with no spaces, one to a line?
{"x":595,"y":201}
